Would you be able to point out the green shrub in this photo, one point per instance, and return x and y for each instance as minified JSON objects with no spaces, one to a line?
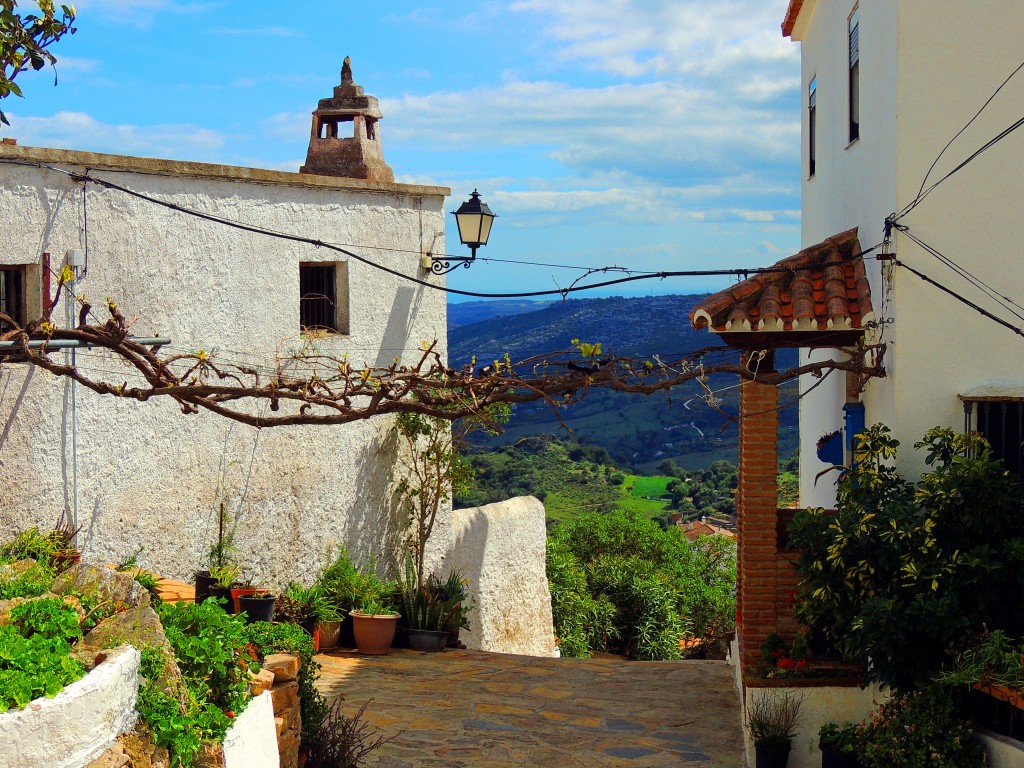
{"x":31,"y":667}
{"x":902,"y":574}
{"x":30,"y":543}
{"x":621,"y":582}
{"x":290,"y":638}
{"x":918,"y":730}
{"x":214,"y":658}
{"x":50,"y":617}
{"x":28,"y":583}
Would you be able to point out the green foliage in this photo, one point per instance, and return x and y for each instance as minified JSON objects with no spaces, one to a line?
{"x":772,"y":717}
{"x":24,"y":40}
{"x":212,"y":653}
{"x":838,"y":738}
{"x":994,"y":659}
{"x":289,"y":638}
{"x":299,"y":603}
{"x":50,"y":617}
{"x":30,"y":582}
{"x":905,"y":574}
{"x":30,"y":543}
{"x":340,"y":582}
{"x":425,"y":606}
{"x":33,"y":666}
{"x":620,"y":582}
{"x":918,"y":730}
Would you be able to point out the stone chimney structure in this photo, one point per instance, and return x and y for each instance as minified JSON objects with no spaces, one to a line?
{"x":345,"y":137}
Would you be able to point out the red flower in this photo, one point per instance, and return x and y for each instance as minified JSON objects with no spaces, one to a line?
{"x":786,"y":663}
{"x":801,"y":665}
{"x":229,"y":713}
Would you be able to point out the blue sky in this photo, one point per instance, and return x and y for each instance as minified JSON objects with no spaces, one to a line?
{"x":646,"y":134}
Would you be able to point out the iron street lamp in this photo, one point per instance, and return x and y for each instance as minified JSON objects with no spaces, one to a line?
{"x":474,"y":218}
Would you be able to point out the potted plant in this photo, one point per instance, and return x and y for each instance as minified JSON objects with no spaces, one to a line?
{"x":305,"y":606}
{"x":62,"y":538}
{"x":771,"y":720}
{"x":374,"y":623}
{"x":258,"y":606}
{"x":426,"y":610}
{"x":224,"y":577}
{"x":455,"y":589}
{"x":238,"y":591}
{"x":838,"y":745}
{"x":339,"y":584}
{"x":220,"y":554}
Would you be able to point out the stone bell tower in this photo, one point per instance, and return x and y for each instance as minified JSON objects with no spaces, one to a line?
{"x":345,"y":137}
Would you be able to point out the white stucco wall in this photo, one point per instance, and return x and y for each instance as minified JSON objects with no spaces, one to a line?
{"x":819,"y":706}
{"x":80,"y":723}
{"x":924,"y":74}
{"x":501,"y":548}
{"x":150,"y":476}
{"x":251,"y":742}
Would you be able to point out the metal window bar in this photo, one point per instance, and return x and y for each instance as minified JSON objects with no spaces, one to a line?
{"x":12,"y":296}
{"x":1001,"y":422}
{"x":317,"y":299}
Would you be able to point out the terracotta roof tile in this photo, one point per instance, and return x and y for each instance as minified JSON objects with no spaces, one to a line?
{"x":824,"y":287}
{"x":792,"y":13}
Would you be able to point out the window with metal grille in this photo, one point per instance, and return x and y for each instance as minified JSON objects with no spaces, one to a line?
{"x":1001,"y":422}
{"x":854,"y":84}
{"x":323,"y":296}
{"x":12,"y":295}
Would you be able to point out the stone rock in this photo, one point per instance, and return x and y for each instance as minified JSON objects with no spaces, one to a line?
{"x":115,"y":757}
{"x":285,"y":696}
{"x":211,"y":755}
{"x":501,"y":549}
{"x":102,"y":583}
{"x":139,"y":627}
{"x":285,"y":666}
{"x":143,"y":753}
{"x":260,"y":682}
{"x":288,"y":748}
{"x":16,"y":568}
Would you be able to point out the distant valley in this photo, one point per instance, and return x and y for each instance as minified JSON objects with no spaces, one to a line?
{"x":637,"y":431}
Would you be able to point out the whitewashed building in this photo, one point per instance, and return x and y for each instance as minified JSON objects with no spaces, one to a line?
{"x":144,"y":474}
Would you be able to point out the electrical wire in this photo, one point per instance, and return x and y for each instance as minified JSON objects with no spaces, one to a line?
{"x":563,"y":292}
{"x":961,"y":299}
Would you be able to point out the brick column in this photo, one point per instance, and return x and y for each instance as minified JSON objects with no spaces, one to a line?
{"x":757,"y":510}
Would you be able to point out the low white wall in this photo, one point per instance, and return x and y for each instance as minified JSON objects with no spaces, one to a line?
{"x":501,"y":548}
{"x":820,"y":705}
{"x":251,"y":742}
{"x":80,"y":723}
{"x":1001,"y":751}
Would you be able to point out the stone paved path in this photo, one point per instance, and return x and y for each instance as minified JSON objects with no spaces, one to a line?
{"x":468,"y":709}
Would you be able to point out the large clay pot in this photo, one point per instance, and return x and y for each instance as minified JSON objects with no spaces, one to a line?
{"x":374,"y":633}
{"x":427,"y":640}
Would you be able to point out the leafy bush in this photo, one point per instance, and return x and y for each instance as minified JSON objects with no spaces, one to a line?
{"x":212,"y":653}
{"x":903,"y":574}
{"x":30,"y":543}
{"x":35,"y":652}
{"x":30,"y":582}
{"x":620,"y":582}
{"x":290,"y":638}
{"x":918,"y":730}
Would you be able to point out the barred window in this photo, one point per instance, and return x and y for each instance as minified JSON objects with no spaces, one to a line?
{"x":1001,"y":422}
{"x":323,"y":296}
{"x":12,"y":295}
{"x":854,"y":83}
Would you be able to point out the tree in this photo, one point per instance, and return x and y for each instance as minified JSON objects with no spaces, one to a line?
{"x":24,"y":40}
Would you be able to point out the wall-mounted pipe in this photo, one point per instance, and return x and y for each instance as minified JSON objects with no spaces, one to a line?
{"x":15,"y":346}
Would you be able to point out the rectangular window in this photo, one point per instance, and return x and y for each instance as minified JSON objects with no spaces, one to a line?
{"x":812,"y":124}
{"x":323,"y":296}
{"x":12,"y":295}
{"x":855,"y":75}
{"x":1001,"y":422}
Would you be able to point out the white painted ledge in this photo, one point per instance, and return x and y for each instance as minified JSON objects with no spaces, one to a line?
{"x":80,"y":723}
{"x":251,"y":742}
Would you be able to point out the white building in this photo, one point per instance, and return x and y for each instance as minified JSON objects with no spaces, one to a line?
{"x":149,"y":476}
{"x":886,"y":85}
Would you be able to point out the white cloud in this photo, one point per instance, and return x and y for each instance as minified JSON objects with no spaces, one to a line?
{"x":78,"y":130}
{"x":69,"y":64}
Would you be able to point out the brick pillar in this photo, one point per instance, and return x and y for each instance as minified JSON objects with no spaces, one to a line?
{"x":757,"y":510}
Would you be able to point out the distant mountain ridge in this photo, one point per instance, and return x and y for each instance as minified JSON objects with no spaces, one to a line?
{"x":467,"y":312}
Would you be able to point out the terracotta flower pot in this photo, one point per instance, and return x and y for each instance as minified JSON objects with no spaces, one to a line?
{"x":329,"y":633}
{"x":374,"y":633}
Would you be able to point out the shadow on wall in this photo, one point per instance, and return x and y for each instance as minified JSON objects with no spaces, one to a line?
{"x":375,"y":527}
{"x":398,"y":332}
